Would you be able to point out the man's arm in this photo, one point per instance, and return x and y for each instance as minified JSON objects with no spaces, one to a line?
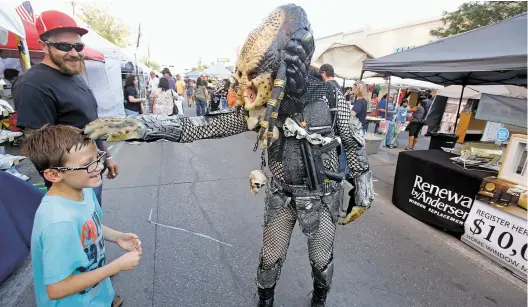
{"x":350,"y":130}
{"x":351,"y":138}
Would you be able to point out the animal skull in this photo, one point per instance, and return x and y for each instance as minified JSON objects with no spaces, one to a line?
{"x":257,"y":180}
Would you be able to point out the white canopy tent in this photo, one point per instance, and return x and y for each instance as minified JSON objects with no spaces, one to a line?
{"x":403,"y":83}
{"x":10,"y":22}
{"x":218,"y":71}
{"x":475,"y":91}
{"x":105,"y":77}
{"x":347,"y":59}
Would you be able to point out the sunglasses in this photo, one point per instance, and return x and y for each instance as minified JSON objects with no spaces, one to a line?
{"x":66,"y":47}
{"x":90,"y":167}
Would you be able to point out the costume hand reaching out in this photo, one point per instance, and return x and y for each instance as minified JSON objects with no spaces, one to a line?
{"x":115,"y":129}
{"x":145,"y":128}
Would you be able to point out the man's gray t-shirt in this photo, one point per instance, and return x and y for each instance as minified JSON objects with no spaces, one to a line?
{"x":44,"y":95}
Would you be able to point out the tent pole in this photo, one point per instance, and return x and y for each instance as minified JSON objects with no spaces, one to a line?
{"x":459,"y":105}
{"x":387,"y":100}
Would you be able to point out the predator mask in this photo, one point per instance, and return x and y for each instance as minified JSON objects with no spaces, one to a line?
{"x":284,"y":37}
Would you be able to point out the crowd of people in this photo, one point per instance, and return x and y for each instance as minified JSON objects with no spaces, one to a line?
{"x":365,"y":102}
{"x":167,"y":95}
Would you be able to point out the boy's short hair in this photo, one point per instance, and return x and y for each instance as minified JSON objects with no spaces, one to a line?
{"x":48,"y":146}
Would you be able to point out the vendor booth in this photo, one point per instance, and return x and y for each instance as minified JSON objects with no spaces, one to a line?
{"x":101,"y":66}
{"x":478,"y":117}
{"x":477,"y":192}
{"x":217,"y":71}
{"x":104,"y":77}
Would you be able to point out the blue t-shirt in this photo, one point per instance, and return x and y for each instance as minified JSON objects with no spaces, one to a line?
{"x":381,"y":105}
{"x":401,"y":114}
{"x":67,"y":238}
{"x":390,"y":109}
{"x":360,"y":107}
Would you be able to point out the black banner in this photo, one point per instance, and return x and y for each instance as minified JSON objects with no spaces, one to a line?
{"x":429,"y":187}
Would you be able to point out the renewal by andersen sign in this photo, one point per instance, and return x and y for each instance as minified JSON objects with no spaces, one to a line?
{"x":444,"y":203}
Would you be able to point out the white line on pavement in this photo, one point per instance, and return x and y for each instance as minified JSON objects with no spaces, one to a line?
{"x":185,"y":230}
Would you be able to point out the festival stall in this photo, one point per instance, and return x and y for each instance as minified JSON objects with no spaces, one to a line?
{"x":104,"y":77}
{"x":217,"y":71}
{"x":473,"y":124}
{"x":477,"y":192}
{"x":11,"y":49}
{"x":195,"y":74}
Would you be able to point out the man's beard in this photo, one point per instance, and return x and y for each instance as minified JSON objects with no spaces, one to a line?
{"x":63,"y":68}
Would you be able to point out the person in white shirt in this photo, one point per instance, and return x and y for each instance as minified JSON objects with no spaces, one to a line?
{"x":153,"y":85}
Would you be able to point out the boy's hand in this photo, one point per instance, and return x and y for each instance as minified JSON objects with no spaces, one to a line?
{"x":129,"y":242}
{"x":128,"y":261}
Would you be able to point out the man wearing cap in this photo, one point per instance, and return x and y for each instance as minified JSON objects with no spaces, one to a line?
{"x":53,"y":92}
{"x":327,"y":72}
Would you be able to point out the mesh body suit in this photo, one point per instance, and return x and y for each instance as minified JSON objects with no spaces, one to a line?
{"x":310,"y":117}
{"x":288,"y":199}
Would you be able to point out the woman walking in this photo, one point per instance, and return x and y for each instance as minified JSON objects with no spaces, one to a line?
{"x":201,"y":96}
{"x":163,"y":99}
{"x":416,"y":124}
{"x":189,"y":92}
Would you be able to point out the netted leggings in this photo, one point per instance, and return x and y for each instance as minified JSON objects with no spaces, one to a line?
{"x":278,"y":232}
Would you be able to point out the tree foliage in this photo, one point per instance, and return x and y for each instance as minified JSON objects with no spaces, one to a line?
{"x":109,"y":27}
{"x":152,"y":64}
{"x":473,"y":15}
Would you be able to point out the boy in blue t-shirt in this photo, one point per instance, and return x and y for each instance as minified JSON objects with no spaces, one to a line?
{"x":68,"y":239}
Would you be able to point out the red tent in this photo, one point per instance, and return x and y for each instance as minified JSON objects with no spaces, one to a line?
{"x":33,"y":46}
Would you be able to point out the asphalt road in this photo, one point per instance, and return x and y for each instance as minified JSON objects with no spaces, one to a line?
{"x":386,"y":258}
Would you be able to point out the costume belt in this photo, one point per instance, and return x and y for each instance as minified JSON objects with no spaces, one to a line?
{"x":324,"y":188}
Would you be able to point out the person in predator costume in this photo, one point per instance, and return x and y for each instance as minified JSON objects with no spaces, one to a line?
{"x":301,"y":122}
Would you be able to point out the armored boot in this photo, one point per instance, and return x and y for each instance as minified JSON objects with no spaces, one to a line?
{"x":322,"y":280}
{"x":266,"y":281}
{"x":266,"y":296}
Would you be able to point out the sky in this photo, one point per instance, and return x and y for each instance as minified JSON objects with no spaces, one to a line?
{"x":183,"y":32}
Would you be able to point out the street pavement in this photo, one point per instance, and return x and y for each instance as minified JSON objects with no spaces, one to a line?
{"x":189,"y":191}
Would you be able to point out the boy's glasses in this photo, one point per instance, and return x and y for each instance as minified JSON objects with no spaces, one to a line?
{"x":90,"y":167}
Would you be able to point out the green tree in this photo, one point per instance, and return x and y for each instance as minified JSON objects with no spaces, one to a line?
{"x":152,"y":64}
{"x":109,"y":27}
{"x":472,"y":15}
